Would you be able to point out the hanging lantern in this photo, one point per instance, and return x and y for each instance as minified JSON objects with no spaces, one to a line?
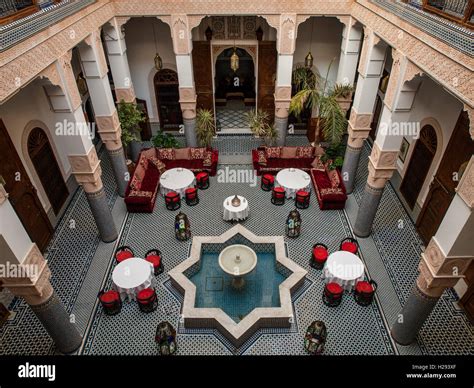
{"x":293,"y":224}
{"x":158,"y":62}
{"x":308,"y":60}
{"x":234,"y":61}
{"x":208,"y":33}
{"x":165,"y":338}
{"x":182,"y":228}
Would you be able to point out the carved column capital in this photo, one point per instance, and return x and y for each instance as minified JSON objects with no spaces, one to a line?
{"x":86,"y":169}
{"x":187,"y":100}
{"x":125,"y":94}
{"x":358,"y":128}
{"x":470,"y":112}
{"x":3,"y":195}
{"x":465,"y":188}
{"x":68,"y":82}
{"x":282,"y":101}
{"x":382,"y":164}
{"x":180,"y":34}
{"x":287,"y":34}
{"x":109,"y":130}
{"x":31,"y":278}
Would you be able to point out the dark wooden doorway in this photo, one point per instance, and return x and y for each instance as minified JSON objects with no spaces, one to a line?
{"x":442,"y":189}
{"x":145,"y":126}
{"x":419,"y":165}
{"x":167,"y":99}
{"x":22,"y":194}
{"x":267,"y":67}
{"x":202,"y":65}
{"x":46,"y":166}
{"x":375,"y":118}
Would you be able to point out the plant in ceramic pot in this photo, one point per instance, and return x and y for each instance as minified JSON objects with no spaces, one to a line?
{"x":130,"y":117}
{"x":205,"y":127}
{"x":258,"y":121}
{"x":165,"y":140}
{"x":315,"y":93}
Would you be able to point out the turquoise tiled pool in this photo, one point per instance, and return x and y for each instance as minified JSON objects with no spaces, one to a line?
{"x":214,"y":289}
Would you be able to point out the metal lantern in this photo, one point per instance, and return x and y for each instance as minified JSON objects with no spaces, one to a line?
{"x":182,"y":228}
{"x":308,"y":60}
{"x":234,"y":61}
{"x":315,"y":337}
{"x":293,"y":224}
{"x":158,"y":62}
{"x":165,"y":338}
{"x":208,"y":33}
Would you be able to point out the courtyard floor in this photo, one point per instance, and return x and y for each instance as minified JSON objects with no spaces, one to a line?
{"x":81,"y":265}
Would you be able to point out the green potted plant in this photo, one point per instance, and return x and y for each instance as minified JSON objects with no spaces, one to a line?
{"x":165,"y":140}
{"x":205,"y":127}
{"x":258,"y":121}
{"x":335,"y":155}
{"x":130,"y":118}
{"x":314,"y":92}
{"x":343,"y":95}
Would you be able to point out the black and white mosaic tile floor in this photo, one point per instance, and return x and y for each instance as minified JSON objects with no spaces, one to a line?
{"x":82,"y":265}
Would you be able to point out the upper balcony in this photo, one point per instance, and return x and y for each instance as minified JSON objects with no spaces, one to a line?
{"x":20,"y":19}
{"x":451,"y":21}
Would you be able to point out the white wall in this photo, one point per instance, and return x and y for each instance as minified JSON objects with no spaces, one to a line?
{"x":432,"y":102}
{"x":325,"y":44}
{"x":30,"y":104}
{"x":141,"y":53}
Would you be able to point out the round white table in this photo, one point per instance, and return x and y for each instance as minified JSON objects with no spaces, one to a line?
{"x":236,"y":213}
{"x":177,"y":179}
{"x":343,"y":268}
{"x":131,"y":276}
{"x":292,"y":180}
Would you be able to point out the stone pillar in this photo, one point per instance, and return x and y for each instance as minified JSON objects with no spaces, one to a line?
{"x":95,"y":71}
{"x":443,"y":263}
{"x":117,"y":54}
{"x":370,"y":70}
{"x":398,"y":101}
{"x":26,"y":275}
{"x":285,"y":47}
{"x":350,"y":46}
{"x":183,"y":47}
{"x":83,"y":157}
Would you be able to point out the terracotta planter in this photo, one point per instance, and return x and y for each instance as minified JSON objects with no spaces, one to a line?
{"x":345,"y":103}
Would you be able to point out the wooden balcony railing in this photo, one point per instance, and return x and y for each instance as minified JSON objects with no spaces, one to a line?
{"x":458,"y":11}
{"x":11,"y":10}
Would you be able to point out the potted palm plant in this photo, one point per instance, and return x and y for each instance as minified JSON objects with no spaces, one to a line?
{"x":258,"y":121}
{"x":343,"y":95}
{"x":315,"y":93}
{"x":130,"y":118}
{"x":205,"y":127}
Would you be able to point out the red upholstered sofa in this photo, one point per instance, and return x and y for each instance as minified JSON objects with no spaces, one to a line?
{"x":142,"y":189}
{"x":329,"y":188}
{"x":270,"y":160}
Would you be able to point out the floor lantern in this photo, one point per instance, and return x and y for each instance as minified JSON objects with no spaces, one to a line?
{"x":165,"y":338}
{"x":293,"y":224}
{"x":182,"y":228}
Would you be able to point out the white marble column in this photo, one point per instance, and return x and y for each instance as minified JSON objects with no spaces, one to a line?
{"x":95,"y":69}
{"x":370,"y":70}
{"x":27,"y":275}
{"x":286,"y":43}
{"x":443,"y":263}
{"x":350,"y":48}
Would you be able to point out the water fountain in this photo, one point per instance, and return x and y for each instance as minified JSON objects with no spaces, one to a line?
{"x":238,"y":260}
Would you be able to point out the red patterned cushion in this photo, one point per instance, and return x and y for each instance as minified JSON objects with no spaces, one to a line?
{"x":317,"y":164}
{"x":182,"y":153}
{"x":334,"y":288}
{"x":166,"y":153}
{"x":272,"y":152}
{"x":330,"y":191}
{"x":262,"y":159}
{"x":123,"y":255}
{"x":138,"y":193}
{"x":143,"y":162}
{"x":334,"y":178}
{"x":207,"y":159}
{"x":364,"y":287}
{"x":154,"y":259}
{"x":320,"y":253}
{"x":136,"y":183}
{"x":288,"y":152}
{"x":149,"y":153}
{"x":197,"y":153}
{"x":160,"y":166}
{"x":304,"y":152}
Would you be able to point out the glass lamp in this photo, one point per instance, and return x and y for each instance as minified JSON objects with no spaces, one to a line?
{"x":165,"y":338}
{"x":182,"y":228}
{"x":308,"y":60}
{"x":234,"y":61}
{"x":293,"y":224}
{"x":158,"y":62}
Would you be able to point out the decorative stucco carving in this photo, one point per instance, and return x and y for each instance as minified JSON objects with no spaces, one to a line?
{"x":382,"y":164}
{"x":109,"y":130}
{"x":287,"y":34}
{"x":394,"y":81}
{"x":470,"y":112}
{"x":121,"y":21}
{"x":87,"y":171}
{"x":3,"y":194}
{"x":69,"y":81}
{"x":52,"y":74}
{"x":180,"y":34}
{"x":282,"y":101}
{"x":411,"y":72}
{"x":465,"y":188}
{"x":358,"y":128}
{"x":125,"y":94}
{"x":187,"y":100}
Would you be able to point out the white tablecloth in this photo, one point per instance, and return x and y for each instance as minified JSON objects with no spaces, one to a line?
{"x":131,"y":276}
{"x":292,"y":180}
{"x":176,"y":179}
{"x":344,"y":268}
{"x":240,"y":212}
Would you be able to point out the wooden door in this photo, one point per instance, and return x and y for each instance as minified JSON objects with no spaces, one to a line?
{"x":375,"y":118}
{"x":419,"y":165}
{"x":202,"y":65}
{"x":167,"y":99}
{"x":22,"y":194}
{"x":46,"y":166}
{"x":442,"y":189}
{"x":145,"y":126}
{"x":267,"y":67}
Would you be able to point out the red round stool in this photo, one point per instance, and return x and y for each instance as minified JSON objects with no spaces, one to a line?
{"x":172,"y":200}
{"x":191,"y":196}
{"x":268,"y":181}
{"x":110,"y":301}
{"x":202,"y":180}
{"x":364,"y":292}
{"x":319,"y":256}
{"x":349,"y":244}
{"x":302,"y":199}
{"x":332,"y":295}
{"x":153,"y":256}
{"x":123,"y":253}
{"x":278,"y":196}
